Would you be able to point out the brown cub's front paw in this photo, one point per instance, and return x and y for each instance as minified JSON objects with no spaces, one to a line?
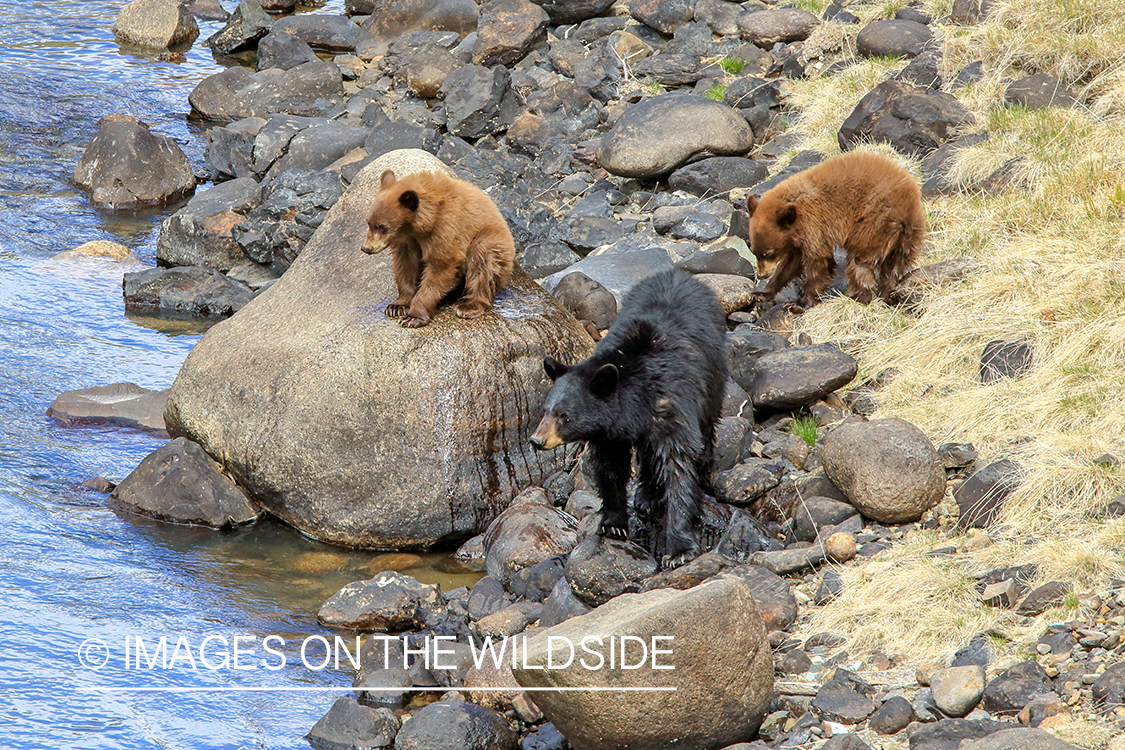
{"x":471,"y":310}
{"x":395,"y":310}
{"x":413,"y":321}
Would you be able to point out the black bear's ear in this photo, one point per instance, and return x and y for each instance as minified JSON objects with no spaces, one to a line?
{"x":787,"y":217}
{"x":638,"y":339}
{"x":554,"y":368}
{"x":751,"y":204}
{"x":409,"y":200}
{"x":604,"y":382}
{"x":387,"y":179}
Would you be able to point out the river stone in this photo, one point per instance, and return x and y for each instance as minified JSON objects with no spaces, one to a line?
{"x":561,"y":604}
{"x":207,"y":10}
{"x":892,"y":717}
{"x":507,"y":31}
{"x":747,"y":481}
{"x":180,"y":483}
{"x":772,"y":595}
{"x":655,"y":136}
{"x":1109,"y":688}
{"x":1020,"y":738}
{"x":126,"y":167}
{"x":97,"y":249}
{"x":478,"y":101}
{"x":733,"y":292}
{"x":616,"y":271}
{"x":348,"y":726}
{"x":318,"y":146}
{"x":563,"y":12}
{"x":717,"y":175}
{"x":486,"y":597}
{"x":663,"y":15}
{"x":887,"y":468}
{"x":248,"y":24}
{"x":981,"y":497}
{"x":398,"y":17}
{"x":199,"y":234}
{"x":798,"y":376}
{"x":236,"y":93}
{"x":526,"y":534}
{"x":184,"y":290}
{"x":359,"y":431}
{"x":815,"y":513}
{"x":123,"y":404}
{"x":1042,"y":598}
{"x":600,"y":568}
{"x":766,"y":28}
{"x":426,"y":71}
{"x":957,"y":690}
{"x":228,"y":152}
{"x":535,"y":582}
{"x":745,"y":346}
{"x":948,"y":734}
{"x":721,"y":696}
{"x":155,"y":25}
{"x":283,"y":51}
{"x":839,"y":701}
{"x":325,"y":31}
{"x":389,"y":601}
{"x":892,"y":38}
{"x":456,"y":725}
{"x":586,"y":299}
{"x":913,"y":121}
{"x":1014,"y":688}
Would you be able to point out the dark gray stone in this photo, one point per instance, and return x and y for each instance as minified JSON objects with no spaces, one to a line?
{"x":616,"y":271}
{"x":892,"y":38}
{"x":201,"y":233}
{"x":814,"y":513}
{"x":1020,"y":738}
{"x":1060,"y":643}
{"x":771,"y":592}
{"x":398,"y":17}
{"x":663,"y":15}
{"x":328,"y":32}
{"x":747,"y":481}
{"x":726,"y":261}
{"x":948,"y":734}
{"x":229,"y":150}
{"x":586,"y":299}
{"x":121,"y":404}
{"x":535,"y":583}
{"x":1014,"y":688}
{"x":1042,"y":598}
{"x":845,"y":742}
{"x":350,"y":726}
{"x":393,"y":136}
{"x":699,"y":227}
{"x":389,"y":601}
{"x":748,"y":92}
{"x":766,"y":28}
{"x":295,"y":203}
{"x":235,"y":93}
{"x":913,"y":121}
{"x":207,"y":10}
{"x":315,"y":147}
{"x":573,"y":11}
{"x":544,"y":258}
{"x":507,"y":31}
{"x":1039,"y":91}
{"x":893,"y":716}
{"x":670,"y":70}
{"x":923,"y":71}
{"x":731,"y":443}
{"x":544,"y":736}
{"x":561,"y":605}
{"x":717,"y":175}
{"x":126,"y":167}
{"x":284,"y":51}
{"x":831,"y":584}
{"x":478,"y":101}
{"x":981,"y":497}
{"x":797,"y":376}
{"x":486,"y":597}
{"x":187,"y":290}
{"x":456,"y":725}
{"x":1109,"y":688}
{"x":840,"y":702}
{"x":248,"y":24}
{"x":600,"y":568}
{"x":746,"y":344}
{"x":1005,"y":359}
{"x":587,"y":233}
{"x":527,"y":533}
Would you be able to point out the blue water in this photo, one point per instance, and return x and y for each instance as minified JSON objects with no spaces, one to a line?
{"x":71,"y":569}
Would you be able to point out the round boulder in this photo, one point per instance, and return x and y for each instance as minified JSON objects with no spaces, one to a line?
{"x":657,"y":135}
{"x":766,"y":28}
{"x":887,"y":468}
{"x":892,"y":38}
{"x":527,"y":534}
{"x":155,"y":25}
{"x":456,"y":725}
{"x":361,"y":432}
{"x":127,"y":167}
{"x":573,"y":11}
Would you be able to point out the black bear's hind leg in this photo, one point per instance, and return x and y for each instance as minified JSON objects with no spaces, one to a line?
{"x":683,"y":497}
{"x":647,"y":502}
{"x":612,"y":463}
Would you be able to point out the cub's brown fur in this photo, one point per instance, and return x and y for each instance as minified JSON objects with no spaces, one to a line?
{"x":443,"y":234}
{"x":861,"y":201}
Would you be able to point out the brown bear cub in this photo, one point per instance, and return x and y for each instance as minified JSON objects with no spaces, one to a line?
{"x":444,"y":235}
{"x":860,"y":201}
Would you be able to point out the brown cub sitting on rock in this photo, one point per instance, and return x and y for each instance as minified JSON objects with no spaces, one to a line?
{"x":444,"y":234}
{"x":861,"y":201}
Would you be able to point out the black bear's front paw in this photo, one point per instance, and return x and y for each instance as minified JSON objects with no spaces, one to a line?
{"x":670,"y":563}
{"x":614,"y":532}
{"x":395,"y":310}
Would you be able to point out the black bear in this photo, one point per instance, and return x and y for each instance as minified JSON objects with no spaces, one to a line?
{"x":654,"y":383}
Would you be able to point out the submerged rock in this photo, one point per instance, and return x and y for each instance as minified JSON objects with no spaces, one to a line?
{"x":123,"y":404}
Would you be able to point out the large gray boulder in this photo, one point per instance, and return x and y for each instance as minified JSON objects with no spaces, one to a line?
{"x":359,"y":431}
{"x":126,"y":167}
{"x":199,"y":234}
{"x":723,"y":670}
{"x":235,"y":93}
{"x":155,"y":25}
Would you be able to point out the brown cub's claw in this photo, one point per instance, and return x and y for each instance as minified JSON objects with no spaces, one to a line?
{"x":470,"y":310}
{"x":614,"y":532}
{"x":412,"y":321}
{"x":395,"y":310}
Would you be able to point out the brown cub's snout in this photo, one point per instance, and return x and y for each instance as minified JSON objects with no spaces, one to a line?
{"x":546,"y":435}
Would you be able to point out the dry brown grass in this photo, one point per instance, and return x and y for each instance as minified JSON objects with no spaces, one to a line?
{"x":1052,"y":249}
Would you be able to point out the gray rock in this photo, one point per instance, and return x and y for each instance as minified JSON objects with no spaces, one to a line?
{"x":948,"y":734}
{"x":398,"y":17}
{"x":815,"y":513}
{"x":1042,"y":598}
{"x":892,"y":38}
{"x":587,"y":233}
{"x":180,"y":483}
{"x":616,"y":271}
{"x":543,"y":258}
{"x":478,"y":101}
{"x":155,"y":25}
{"x":318,"y":342}
{"x":586,"y":299}
{"x":535,"y":582}
{"x":318,"y":146}
{"x":486,"y":597}
{"x":126,"y":167}
{"x":720,"y":16}
{"x":235,"y":93}
{"x":784,"y":562}
{"x":544,"y":737}
{"x":817,"y":484}
{"x":700,"y":227}
{"x":582,"y":503}
{"x":745,"y":345}
{"x":201,"y":233}
{"x":766,"y":28}
{"x":749,"y":92}
{"x":207,"y":10}
{"x":122,"y":404}
{"x":923,"y":71}
{"x":350,"y":726}
{"x":573,"y":11}
{"x":1021,"y":738}
{"x":772,"y":595}
{"x":284,"y":51}
{"x":561,"y":604}
{"x":839,"y":701}
{"x":426,"y":71}
{"x":957,"y":690}
{"x":456,"y":725}
{"x":389,"y":601}
{"x":887,"y":468}
{"x":245,"y":27}
{"x":329,"y":32}
{"x":253,"y":275}
{"x":798,"y":376}
{"x":716,"y":176}
{"x":507,"y":31}
{"x":1014,"y":688}
{"x":294,"y":205}
{"x":600,"y":568}
{"x":671,"y":69}
{"x":562,"y":112}
{"x":185,"y":290}
{"x":913,"y":121}
{"x":273,"y":137}
{"x":230,"y":149}
{"x":727,"y":261}
{"x":396,"y":136}
{"x":654,"y":137}
{"x":915,"y":284}
{"x":278,"y":6}
{"x":1005,"y":359}
{"x":1109,"y":688}
{"x":980,"y":498}
{"x":731,"y":442}
{"x":747,"y":481}
{"x":526,"y":534}
{"x":892,"y":717}
{"x":722,"y":694}
{"x":663,"y":15}
{"x":1039,"y":91}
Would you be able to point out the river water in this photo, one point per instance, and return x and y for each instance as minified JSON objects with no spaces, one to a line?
{"x":70,"y":569}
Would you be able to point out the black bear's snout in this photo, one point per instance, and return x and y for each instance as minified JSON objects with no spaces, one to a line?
{"x":537,"y":443}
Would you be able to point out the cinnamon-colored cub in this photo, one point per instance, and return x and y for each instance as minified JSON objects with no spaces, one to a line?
{"x":444,"y":234}
{"x":861,"y":201}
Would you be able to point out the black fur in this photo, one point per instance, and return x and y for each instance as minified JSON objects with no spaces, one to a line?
{"x":655,"y":384}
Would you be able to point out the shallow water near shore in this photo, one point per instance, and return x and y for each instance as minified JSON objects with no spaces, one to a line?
{"x":71,"y":569}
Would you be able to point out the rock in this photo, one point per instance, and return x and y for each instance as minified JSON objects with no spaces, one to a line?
{"x":771,"y":593}
{"x":245,"y":27}
{"x":573,"y":11}
{"x":182,"y":484}
{"x":207,"y":10}
{"x":123,"y":404}
{"x":586,"y":299}
{"x":686,"y":576}
{"x":350,"y":726}
{"x":200,"y":233}
{"x":187,"y":290}
{"x":1003,"y":594}
{"x":507,"y":31}
{"x":126,"y":167}
{"x":766,"y":28}
{"x":561,"y":605}
{"x":840,"y":547}
{"x":1042,"y":598}
{"x":155,"y":25}
{"x":526,"y":534}
{"x":229,"y":149}
{"x":544,"y":258}
{"x":747,"y":481}
{"x":913,"y":121}
{"x":671,"y":70}
{"x":426,"y":71}
{"x":1021,"y":738}
{"x":544,"y":737}
{"x":892,"y":38}
{"x":236,"y":93}
{"x":924,"y":71}
{"x":600,"y":568}
{"x":616,"y":271}
{"x":733,"y":292}
{"x":721,"y":695}
{"x":1015,"y":687}
{"x":98,"y":484}
{"x":815,"y":513}
{"x":892,"y":717}
{"x":318,"y":342}
{"x":717,"y":175}
{"x":1039,"y":91}
{"x":456,"y":725}
{"x":726,"y":261}
{"x":663,"y":15}
{"x":913,"y":285}
{"x":535,"y":582}
{"x":324,"y":31}
{"x":784,"y":562}
{"x":657,"y":135}
{"x":319,"y":145}
{"x":797,"y":376}
{"x":1109,"y":688}
{"x":283,"y":51}
{"x":486,"y":597}
{"x":948,"y":734}
{"x":745,"y":346}
{"x":957,"y":690}
{"x":1005,"y":359}
{"x":294,"y":205}
{"x":478,"y":101}
{"x":731,"y":442}
{"x":720,"y":16}
{"x":839,"y":701}
{"x":97,"y":249}
{"x":980,"y":498}
{"x":887,"y":468}
{"x":506,"y":623}
{"x":398,"y":17}
{"x":389,"y":601}
{"x":587,"y":233}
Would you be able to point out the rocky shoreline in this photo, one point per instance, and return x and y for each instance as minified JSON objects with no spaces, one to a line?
{"x":618,"y":139}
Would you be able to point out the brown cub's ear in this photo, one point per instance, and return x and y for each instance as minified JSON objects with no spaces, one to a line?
{"x":787,"y":217}
{"x":387,"y":179}
{"x":751,"y":204}
{"x":409,"y":200}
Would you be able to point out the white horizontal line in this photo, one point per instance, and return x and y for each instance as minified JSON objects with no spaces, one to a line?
{"x":267,"y":689}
